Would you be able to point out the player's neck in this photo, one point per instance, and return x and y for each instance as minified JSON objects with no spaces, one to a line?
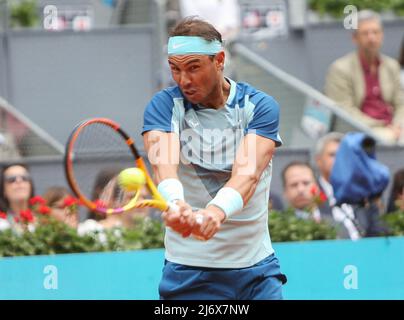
{"x":218,"y":97}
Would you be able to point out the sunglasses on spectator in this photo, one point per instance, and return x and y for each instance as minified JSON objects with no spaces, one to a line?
{"x":14,"y":178}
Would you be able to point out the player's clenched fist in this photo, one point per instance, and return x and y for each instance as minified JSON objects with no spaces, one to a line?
{"x":210,"y":220}
{"x":180,"y":221}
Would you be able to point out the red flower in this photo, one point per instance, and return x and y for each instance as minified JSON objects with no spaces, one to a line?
{"x":26,"y":215}
{"x":45,"y":210}
{"x":323,"y":197}
{"x":70,"y":201}
{"x":318,"y":199}
{"x":3,"y":215}
{"x":37,"y":200}
{"x":319,"y":196}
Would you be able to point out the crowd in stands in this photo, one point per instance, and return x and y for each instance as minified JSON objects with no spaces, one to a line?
{"x":309,"y":189}
{"x":366,"y":83}
{"x":19,"y":204}
{"x":347,"y":191}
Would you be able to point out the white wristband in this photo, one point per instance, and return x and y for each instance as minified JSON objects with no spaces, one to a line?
{"x":229,"y":200}
{"x":171,"y":189}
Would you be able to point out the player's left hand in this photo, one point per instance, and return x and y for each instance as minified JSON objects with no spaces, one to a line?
{"x":180,"y":221}
{"x":212,"y":220}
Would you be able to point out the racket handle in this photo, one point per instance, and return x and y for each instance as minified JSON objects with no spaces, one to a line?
{"x":199,"y":221}
{"x":173,"y":207}
{"x":198,"y":218}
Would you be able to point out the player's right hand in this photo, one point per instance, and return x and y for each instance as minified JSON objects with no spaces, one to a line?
{"x":180,"y":221}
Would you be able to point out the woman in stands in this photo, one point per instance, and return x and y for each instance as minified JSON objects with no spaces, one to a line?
{"x":16,"y":189}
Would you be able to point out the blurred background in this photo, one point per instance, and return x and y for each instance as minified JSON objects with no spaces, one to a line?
{"x":62,"y":61}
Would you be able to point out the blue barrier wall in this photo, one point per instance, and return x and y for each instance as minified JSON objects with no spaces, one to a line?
{"x":338,"y":269}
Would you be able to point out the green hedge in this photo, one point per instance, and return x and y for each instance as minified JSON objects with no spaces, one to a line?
{"x":285,"y":226}
{"x":395,"y":223}
{"x":53,"y":237}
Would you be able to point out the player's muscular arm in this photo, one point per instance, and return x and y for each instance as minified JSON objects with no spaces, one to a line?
{"x":253,"y":156}
{"x":163,"y":150}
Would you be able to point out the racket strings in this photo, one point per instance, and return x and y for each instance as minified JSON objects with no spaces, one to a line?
{"x":99,"y":154}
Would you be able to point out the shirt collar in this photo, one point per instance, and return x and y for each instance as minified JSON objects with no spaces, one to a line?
{"x":232,"y":93}
{"x":365,"y":64}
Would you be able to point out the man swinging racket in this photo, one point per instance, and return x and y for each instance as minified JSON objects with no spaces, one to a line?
{"x":210,"y":141}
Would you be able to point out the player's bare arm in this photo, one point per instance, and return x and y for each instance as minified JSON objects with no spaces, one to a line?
{"x":253,"y":156}
{"x":163,"y":150}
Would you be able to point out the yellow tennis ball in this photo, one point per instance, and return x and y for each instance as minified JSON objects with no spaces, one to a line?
{"x":131,"y":179}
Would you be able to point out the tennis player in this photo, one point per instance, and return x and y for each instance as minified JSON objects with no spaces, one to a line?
{"x":210,"y":141}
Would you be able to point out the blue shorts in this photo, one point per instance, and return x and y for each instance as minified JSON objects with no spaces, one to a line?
{"x":262,"y":281}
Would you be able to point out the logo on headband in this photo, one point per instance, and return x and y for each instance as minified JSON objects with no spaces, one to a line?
{"x":182,"y":45}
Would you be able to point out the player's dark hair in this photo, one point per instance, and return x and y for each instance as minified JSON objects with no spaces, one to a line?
{"x":193,"y":26}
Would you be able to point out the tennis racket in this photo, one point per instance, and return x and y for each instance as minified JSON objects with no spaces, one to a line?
{"x":96,"y":152}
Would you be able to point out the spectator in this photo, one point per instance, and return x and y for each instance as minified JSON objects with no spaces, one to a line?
{"x":343,"y":215}
{"x":396,"y":201}
{"x":55,"y":198}
{"x":16,"y":188}
{"x":366,"y":83}
{"x":401,"y":62}
{"x":104,"y":177}
{"x":300,"y":190}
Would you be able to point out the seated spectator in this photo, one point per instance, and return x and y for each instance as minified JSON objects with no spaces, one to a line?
{"x":102,"y":180}
{"x":61,"y":204}
{"x":343,"y":215}
{"x":16,"y":189}
{"x":308,"y":200}
{"x":56,"y":198}
{"x":396,"y":201}
{"x":300,"y":190}
{"x":366,"y":83}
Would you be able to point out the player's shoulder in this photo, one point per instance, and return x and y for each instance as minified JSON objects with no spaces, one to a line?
{"x":247,"y":92}
{"x":169,"y":94}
